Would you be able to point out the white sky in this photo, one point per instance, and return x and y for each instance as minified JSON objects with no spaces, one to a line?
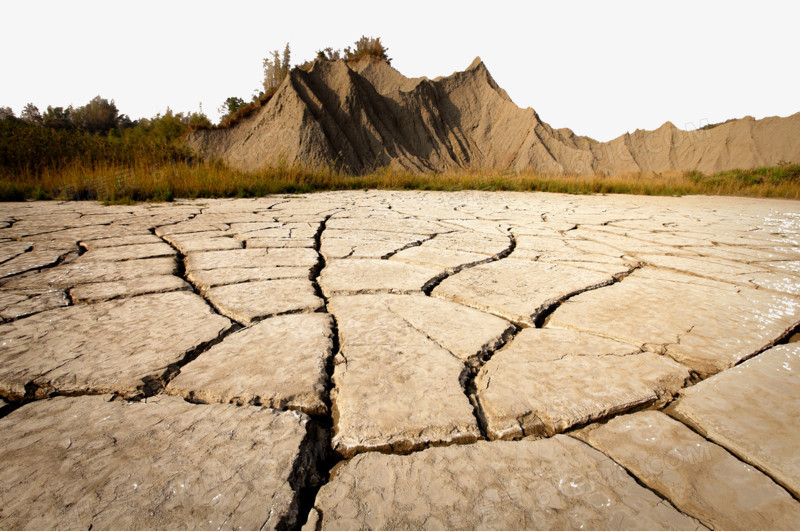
{"x":600,"y":69}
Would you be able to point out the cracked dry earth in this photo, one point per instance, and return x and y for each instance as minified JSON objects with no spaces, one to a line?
{"x":401,"y":360}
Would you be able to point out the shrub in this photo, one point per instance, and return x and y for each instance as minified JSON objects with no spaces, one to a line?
{"x":364,"y":47}
{"x":367,"y":47}
{"x":259,"y":100}
{"x":198,"y":121}
{"x":230,"y":106}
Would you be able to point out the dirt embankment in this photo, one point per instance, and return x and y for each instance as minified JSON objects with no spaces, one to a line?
{"x":364,"y":116}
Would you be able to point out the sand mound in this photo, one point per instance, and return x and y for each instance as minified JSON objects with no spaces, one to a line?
{"x":368,"y":115}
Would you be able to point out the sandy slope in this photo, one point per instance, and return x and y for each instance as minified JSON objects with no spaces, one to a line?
{"x":368,"y":115}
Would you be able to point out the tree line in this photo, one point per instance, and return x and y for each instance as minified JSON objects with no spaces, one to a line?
{"x":94,"y":133}
{"x":101,"y":117}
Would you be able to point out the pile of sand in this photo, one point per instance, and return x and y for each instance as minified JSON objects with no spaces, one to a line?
{"x":364,"y":116}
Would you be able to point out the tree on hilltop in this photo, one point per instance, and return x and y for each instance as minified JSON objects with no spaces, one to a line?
{"x":329,"y":54}
{"x":276,"y":69}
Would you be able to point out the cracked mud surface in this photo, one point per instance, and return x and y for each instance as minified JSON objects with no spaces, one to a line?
{"x":401,"y":360}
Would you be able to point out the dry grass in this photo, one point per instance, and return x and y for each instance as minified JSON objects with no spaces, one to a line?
{"x":151,"y":181}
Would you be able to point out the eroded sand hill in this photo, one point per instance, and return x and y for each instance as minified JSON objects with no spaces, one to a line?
{"x":368,"y":115}
{"x":401,"y":360}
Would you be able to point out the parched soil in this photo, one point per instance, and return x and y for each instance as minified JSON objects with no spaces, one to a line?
{"x":401,"y":360}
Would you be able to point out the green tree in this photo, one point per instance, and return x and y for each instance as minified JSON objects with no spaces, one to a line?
{"x":125,"y":122}
{"x":276,"y":69}
{"x":168,"y":127}
{"x":97,"y":116}
{"x":58,"y":117}
{"x":230,"y":106}
{"x":31,"y":114}
{"x":197,"y":120}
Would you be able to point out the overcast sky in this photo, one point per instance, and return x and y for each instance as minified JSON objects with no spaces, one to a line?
{"x":600,"y":69}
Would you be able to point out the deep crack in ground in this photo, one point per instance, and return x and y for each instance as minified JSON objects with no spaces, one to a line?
{"x":322,"y":426}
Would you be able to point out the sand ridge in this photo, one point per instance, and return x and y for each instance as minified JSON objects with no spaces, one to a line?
{"x":366,"y":115}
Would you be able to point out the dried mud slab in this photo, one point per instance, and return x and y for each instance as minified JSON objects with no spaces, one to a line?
{"x":206,"y":279}
{"x":548,"y":380}
{"x":91,"y":463}
{"x":385,"y":319}
{"x":519,"y":290}
{"x":278,"y":362}
{"x":77,"y":273}
{"x":121,"y":346}
{"x":9,"y":250}
{"x":284,"y":231}
{"x":399,"y":399}
{"x":354,"y":276}
{"x":470,"y":242}
{"x":713,"y":268}
{"x":554,"y":484}
{"x":194,"y":225}
{"x":439,"y":258}
{"x":362,"y":244}
{"x":777,"y":278}
{"x":190,"y":243}
{"x":265,"y":242}
{"x":778,"y":282}
{"x":683,"y":316}
{"x":700,"y":478}
{"x":136,"y":251}
{"x":405,"y":228}
{"x":17,"y":303}
{"x":155,"y":284}
{"x":397,"y":386}
{"x":115,"y":241}
{"x":247,"y":302}
{"x":251,"y":258}
{"x":750,"y":410}
{"x":33,"y":260}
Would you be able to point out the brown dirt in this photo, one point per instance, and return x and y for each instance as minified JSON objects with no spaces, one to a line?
{"x":367,"y":115}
